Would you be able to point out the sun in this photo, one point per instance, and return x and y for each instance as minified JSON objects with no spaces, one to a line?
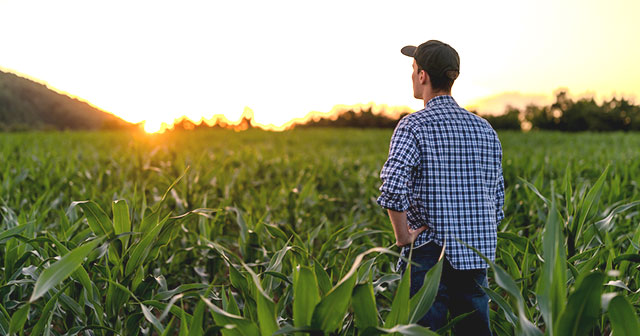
{"x":153,"y":126}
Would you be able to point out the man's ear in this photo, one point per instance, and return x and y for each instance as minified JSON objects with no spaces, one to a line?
{"x":423,"y":77}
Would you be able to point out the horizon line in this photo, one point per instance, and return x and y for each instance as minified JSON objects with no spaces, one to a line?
{"x":376,"y":108}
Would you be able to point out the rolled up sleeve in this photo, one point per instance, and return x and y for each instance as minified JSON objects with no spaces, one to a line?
{"x":396,"y":171}
{"x":499,"y":201}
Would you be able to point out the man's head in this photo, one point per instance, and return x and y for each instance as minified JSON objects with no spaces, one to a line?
{"x":436,"y":66}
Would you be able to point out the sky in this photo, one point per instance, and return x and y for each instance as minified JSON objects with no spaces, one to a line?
{"x":160,"y":60}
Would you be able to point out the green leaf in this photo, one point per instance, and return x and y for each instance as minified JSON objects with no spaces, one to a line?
{"x":18,"y":319}
{"x":276,"y":232}
{"x":423,"y":299}
{"x":633,"y":257}
{"x":142,"y":249}
{"x":152,"y":319}
{"x":168,"y":308}
{"x":46,"y":313}
{"x":535,"y":190}
{"x":195,"y":329}
{"x":329,"y":313}
{"x":244,"y":229}
{"x":121,"y":221}
{"x":266,"y":315}
{"x":364,"y":306}
{"x":453,"y":322}
{"x":173,"y":184}
{"x":502,"y":303}
{"x":275,"y":265}
{"x":551,"y":290}
{"x":62,"y":269}
{"x":606,"y":224}
{"x":290,"y":330}
{"x":521,"y":243}
{"x":583,"y":308}
{"x":305,"y":297}
{"x":266,"y":307}
{"x":399,"y":313}
{"x":232,"y":305}
{"x":323,"y":278}
{"x":167,"y":330}
{"x":164,"y":295}
{"x":149,"y":221}
{"x":12,"y":232}
{"x":242,"y":325}
{"x":408,"y":330}
{"x":568,"y":192}
{"x":184,"y":322}
{"x":588,"y":201}
{"x":623,"y":317}
{"x":4,"y":319}
{"x":80,"y":274}
{"x":238,"y":281}
{"x":99,"y":222}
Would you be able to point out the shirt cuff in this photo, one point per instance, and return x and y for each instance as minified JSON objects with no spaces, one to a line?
{"x":395,"y":202}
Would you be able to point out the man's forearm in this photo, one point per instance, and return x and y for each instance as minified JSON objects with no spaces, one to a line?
{"x":400,"y":227}
{"x":404,"y":235}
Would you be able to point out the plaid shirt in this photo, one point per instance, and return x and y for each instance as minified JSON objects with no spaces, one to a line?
{"x":445,"y":170}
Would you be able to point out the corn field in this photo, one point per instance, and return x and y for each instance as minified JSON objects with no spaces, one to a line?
{"x":258,"y":233}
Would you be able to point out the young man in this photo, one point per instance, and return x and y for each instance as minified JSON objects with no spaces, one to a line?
{"x":442,"y":183}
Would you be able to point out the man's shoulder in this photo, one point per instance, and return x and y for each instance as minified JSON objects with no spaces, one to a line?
{"x":424,"y":117}
{"x":446,"y":119}
{"x":432,"y":115}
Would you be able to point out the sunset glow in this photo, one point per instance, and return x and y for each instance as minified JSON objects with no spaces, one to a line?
{"x":157,"y":62}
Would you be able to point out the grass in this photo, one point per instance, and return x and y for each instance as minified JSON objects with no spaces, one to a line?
{"x":253,"y":233}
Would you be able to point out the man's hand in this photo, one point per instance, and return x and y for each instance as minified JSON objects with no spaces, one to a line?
{"x":413,"y":234}
{"x":404,"y":235}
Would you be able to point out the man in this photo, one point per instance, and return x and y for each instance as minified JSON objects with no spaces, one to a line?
{"x":442,"y":183}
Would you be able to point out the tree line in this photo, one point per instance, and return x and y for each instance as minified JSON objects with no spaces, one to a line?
{"x":585,"y":114}
{"x":360,"y":119}
{"x":565,"y":114}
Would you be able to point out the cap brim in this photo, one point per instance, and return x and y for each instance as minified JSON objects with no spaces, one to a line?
{"x":409,"y":50}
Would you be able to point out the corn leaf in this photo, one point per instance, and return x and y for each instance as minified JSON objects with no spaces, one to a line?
{"x":623,"y":317}
{"x":62,"y":269}
{"x":364,"y":306}
{"x":305,"y":295}
{"x":583,"y":308}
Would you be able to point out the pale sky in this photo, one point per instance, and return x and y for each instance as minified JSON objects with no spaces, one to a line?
{"x":159,"y":60}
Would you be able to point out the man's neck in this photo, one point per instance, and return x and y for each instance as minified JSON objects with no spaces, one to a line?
{"x":430,"y":95}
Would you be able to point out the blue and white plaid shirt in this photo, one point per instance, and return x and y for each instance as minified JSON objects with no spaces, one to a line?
{"x":445,"y":170}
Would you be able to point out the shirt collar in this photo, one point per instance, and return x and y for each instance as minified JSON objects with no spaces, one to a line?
{"x":440,"y":100}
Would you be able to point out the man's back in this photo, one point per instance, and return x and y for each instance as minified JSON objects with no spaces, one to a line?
{"x":447,"y":162}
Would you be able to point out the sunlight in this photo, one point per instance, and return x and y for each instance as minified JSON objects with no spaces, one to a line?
{"x":153,"y":126}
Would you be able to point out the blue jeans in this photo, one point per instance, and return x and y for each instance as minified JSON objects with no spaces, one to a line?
{"x":459,"y":292}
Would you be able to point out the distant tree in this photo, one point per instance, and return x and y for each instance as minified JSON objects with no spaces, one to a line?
{"x":584,"y":115}
{"x":184,"y":125}
{"x":540,"y":117}
{"x":350,"y":118}
{"x":621,"y":114}
{"x":508,"y":121}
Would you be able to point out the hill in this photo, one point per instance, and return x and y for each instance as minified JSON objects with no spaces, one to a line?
{"x":28,"y":105}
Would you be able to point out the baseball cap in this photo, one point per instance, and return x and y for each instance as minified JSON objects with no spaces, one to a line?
{"x":437,"y":58}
